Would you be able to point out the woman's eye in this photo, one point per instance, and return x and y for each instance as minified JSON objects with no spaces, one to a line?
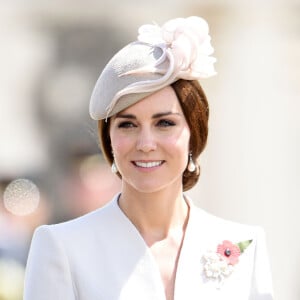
{"x":165,"y":123}
{"x":126,"y":124}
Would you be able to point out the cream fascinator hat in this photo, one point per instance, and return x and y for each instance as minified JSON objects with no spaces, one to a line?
{"x":180,"y":49}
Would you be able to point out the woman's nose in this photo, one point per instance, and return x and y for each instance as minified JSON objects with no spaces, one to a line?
{"x":146,"y":141}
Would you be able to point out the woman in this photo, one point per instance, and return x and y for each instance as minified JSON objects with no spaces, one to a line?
{"x":150,"y":241}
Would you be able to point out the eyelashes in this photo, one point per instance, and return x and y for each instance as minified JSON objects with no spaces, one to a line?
{"x":126,"y":124}
{"x":160,"y":123}
{"x":166,"y":123}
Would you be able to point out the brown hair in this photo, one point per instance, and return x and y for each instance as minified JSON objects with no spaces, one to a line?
{"x":196,"y":111}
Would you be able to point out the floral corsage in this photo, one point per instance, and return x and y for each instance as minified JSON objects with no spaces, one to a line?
{"x":220,"y":264}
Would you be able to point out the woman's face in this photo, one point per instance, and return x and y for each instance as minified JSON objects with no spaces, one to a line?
{"x":150,"y":142}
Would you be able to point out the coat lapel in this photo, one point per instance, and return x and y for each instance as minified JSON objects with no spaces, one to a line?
{"x":143,"y":280}
{"x":191,"y":283}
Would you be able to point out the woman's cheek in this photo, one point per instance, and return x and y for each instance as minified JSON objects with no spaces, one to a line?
{"x":119,"y":144}
{"x":178,"y":140}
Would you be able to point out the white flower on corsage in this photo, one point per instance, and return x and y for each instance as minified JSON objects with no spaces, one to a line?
{"x":186,"y":43}
{"x":220,"y":264}
{"x":216,"y":267}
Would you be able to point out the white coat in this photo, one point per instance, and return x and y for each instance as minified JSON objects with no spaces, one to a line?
{"x":102,"y":256}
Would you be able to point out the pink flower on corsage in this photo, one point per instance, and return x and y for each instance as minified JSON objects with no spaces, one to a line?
{"x":229,"y":252}
{"x":220,"y":264}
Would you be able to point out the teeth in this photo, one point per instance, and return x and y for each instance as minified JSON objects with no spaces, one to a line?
{"x":148,"y":164}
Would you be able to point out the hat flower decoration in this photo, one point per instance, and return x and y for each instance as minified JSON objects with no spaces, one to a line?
{"x":179,"y":49}
{"x":185,"y":43}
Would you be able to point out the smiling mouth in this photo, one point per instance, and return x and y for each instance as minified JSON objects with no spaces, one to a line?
{"x":149,"y":164}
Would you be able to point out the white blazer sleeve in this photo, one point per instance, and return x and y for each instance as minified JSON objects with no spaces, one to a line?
{"x":48,"y":275}
{"x":262,"y":279}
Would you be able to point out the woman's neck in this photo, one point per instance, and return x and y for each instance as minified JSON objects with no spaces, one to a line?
{"x":156,"y":215}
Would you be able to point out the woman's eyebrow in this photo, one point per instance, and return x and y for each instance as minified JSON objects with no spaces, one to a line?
{"x":163,"y":114}
{"x":155,"y":116}
{"x":125,"y":116}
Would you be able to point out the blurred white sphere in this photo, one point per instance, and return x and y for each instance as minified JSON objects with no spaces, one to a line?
{"x":21,"y":197}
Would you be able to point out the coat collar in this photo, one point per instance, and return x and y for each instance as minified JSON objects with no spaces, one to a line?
{"x":189,"y":268}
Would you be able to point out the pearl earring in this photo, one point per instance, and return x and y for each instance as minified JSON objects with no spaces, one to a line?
{"x":114,"y":168}
{"x":191,"y":165}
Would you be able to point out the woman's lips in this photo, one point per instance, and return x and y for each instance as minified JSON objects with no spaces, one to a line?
{"x":148,"y":164}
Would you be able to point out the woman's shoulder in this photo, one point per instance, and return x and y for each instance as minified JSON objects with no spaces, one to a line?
{"x":99,"y":220}
{"x":221,"y":228}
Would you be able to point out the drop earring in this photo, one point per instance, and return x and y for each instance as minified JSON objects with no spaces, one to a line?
{"x":191,"y":165}
{"x":114,"y":168}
